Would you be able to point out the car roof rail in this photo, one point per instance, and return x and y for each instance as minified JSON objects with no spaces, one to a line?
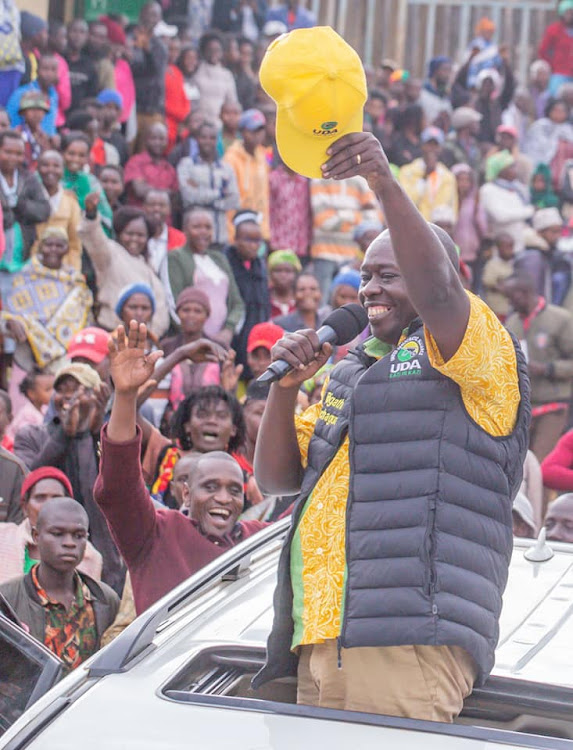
{"x":121,"y":653}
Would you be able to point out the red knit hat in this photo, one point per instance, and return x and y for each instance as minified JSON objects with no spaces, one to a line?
{"x":45,"y":472}
{"x":115,"y":32}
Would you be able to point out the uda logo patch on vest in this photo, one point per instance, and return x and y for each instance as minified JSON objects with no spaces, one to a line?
{"x":404,"y":361}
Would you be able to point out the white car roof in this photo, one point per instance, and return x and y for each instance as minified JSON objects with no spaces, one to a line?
{"x":123,"y":710}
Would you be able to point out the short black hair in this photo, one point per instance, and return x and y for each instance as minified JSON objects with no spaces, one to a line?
{"x":210,"y":36}
{"x":73,"y":137}
{"x":377,"y":94}
{"x":553,"y":102}
{"x":79,"y":120}
{"x":114,"y":168}
{"x":126,"y":214}
{"x":30,"y":379}
{"x":207,"y":396}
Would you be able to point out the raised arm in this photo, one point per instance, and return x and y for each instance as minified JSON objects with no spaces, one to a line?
{"x":92,"y":235}
{"x":119,"y":489}
{"x":432,"y":281}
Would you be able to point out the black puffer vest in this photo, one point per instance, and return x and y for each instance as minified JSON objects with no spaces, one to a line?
{"x":429,"y":525}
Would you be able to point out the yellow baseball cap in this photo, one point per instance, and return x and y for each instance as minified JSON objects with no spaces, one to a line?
{"x":318,"y":83}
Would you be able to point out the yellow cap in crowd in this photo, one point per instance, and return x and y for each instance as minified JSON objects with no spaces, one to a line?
{"x":318,"y":83}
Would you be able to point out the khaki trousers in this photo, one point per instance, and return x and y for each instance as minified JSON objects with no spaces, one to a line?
{"x":416,"y":682}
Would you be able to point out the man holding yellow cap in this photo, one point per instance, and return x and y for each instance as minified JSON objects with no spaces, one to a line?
{"x":391,"y":578}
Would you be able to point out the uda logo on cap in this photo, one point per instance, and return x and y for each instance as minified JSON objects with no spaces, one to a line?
{"x":327,"y":128}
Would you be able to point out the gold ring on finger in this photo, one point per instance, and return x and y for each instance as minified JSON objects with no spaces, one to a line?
{"x":358,"y":159}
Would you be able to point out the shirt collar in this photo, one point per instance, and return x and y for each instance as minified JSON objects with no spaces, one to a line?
{"x":82,"y":592}
{"x":377,"y":349}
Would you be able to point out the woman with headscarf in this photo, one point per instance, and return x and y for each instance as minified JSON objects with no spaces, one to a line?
{"x":49,"y":303}
{"x":193,"y":309}
{"x":283,"y":266}
{"x":544,"y":136}
{"x":542,"y":193}
{"x":119,"y":264}
{"x":504,"y":199}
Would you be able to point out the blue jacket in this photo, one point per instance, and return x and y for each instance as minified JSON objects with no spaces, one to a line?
{"x":49,"y":121}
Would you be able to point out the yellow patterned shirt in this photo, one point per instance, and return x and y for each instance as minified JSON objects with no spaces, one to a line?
{"x":485,"y":369}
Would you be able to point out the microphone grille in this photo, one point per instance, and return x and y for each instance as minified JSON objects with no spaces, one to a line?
{"x":347,"y":321}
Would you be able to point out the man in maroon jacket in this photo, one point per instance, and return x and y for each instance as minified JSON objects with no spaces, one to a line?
{"x":162,"y":547}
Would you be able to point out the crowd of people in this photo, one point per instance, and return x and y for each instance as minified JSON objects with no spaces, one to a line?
{"x":145,"y":207}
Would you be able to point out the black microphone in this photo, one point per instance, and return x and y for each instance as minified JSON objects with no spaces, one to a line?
{"x":340,"y":327}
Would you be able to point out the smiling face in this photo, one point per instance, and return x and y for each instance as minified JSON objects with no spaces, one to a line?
{"x":134,"y":237}
{"x":383,"y":292}
{"x":51,"y":170}
{"x":215,"y":494}
{"x":52,"y":251}
{"x":76,"y":156}
{"x":199,"y":229}
{"x":210,"y":427}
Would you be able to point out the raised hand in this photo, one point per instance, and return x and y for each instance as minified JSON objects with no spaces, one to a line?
{"x":357,"y":154}
{"x":91,"y":202}
{"x":230,"y":373}
{"x":131,"y":367}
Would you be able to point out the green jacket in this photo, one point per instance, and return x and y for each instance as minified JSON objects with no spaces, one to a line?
{"x":181,"y":264}
{"x":549,"y":340}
